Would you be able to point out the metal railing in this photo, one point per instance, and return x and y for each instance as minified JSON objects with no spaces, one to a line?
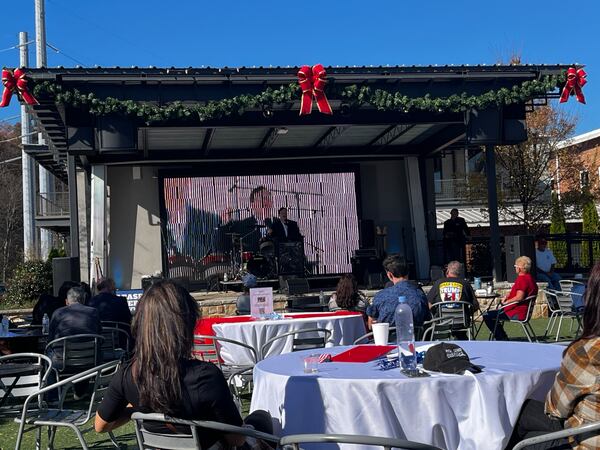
{"x":471,"y":190}
{"x":52,"y":204}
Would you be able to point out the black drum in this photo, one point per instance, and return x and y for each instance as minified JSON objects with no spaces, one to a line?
{"x":267,"y":248}
{"x":259,"y":266}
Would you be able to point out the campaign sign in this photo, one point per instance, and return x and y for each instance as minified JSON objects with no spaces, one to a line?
{"x":261,"y":302}
{"x":132,"y":296}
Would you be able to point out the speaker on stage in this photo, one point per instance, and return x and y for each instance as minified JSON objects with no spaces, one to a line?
{"x":64,"y":269}
{"x":296,"y":286}
{"x":366,"y":269}
{"x":290,"y":259}
{"x":366,"y":229}
{"x":516,"y":246}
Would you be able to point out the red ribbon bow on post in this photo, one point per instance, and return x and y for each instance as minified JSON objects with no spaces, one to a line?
{"x":15,"y":82}
{"x":312,"y":81}
{"x":575,"y":81}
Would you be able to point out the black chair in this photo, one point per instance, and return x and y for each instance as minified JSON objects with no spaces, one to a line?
{"x":302,"y":340}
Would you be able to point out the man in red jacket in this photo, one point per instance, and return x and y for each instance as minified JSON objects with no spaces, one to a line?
{"x":524,"y":287}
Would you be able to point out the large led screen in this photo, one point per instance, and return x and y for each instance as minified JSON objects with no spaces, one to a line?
{"x":224,"y":224}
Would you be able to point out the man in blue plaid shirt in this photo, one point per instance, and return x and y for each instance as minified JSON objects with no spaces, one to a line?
{"x":385,"y":301}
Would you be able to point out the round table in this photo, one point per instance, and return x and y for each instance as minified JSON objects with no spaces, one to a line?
{"x":449,"y":411}
{"x":345,"y":329}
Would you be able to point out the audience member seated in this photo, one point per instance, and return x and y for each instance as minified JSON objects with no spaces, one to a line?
{"x":161,"y":377}
{"x":47,"y":303}
{"x":242,"y":304}
{"x":385,"y":301}
{"x":545,"y":261}
{"x":347,"y":296}
{"x":453,"y":288}
{"x":110,"y":306}
{"x":574,"y":399}
{"x":524,"y":287}
{"x":75,"y":318}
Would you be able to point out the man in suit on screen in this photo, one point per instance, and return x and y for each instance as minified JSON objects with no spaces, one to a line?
{"x":285,"y":230}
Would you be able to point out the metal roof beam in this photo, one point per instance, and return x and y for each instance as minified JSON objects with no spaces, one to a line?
{"x":330,"y":136}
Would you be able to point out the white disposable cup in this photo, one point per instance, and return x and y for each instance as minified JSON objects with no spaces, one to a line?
{"x":381,"y":333}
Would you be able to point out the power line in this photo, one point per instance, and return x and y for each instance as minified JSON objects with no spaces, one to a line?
{"x":18,"y":137}
{"x":7,"y":119}
{"x":8,"y":161}
{"x":59,"y":51}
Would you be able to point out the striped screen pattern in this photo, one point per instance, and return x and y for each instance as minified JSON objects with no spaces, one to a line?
{"x":199,"y":210}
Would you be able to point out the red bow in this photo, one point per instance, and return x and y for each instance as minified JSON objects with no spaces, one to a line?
{"x":312,"y":81}
{"x":575,"y":81}
{"x":15,"y":82}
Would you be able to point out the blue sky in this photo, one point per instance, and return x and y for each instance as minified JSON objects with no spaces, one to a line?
{"x":343,"y":32}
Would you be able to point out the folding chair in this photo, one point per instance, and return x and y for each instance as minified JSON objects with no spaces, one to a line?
{"x":585,"y":431}
{"x":21,"y":374}
{"x":437,"y":329}
{"x":115,"y":345}
{"x":74,"y":419}
{"x":527,"y":328}
{"x":310,"y":341}
{"x":459,"y":312}
{"x":567,"y":285}
{"x":74,"y":354}
{"x":150,"y":440}
{"x":292,"y":442}
{"x":559,"y":307}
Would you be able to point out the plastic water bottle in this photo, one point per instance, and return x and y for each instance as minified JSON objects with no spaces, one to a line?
{"x":45,"y":324}
{"x":225,"y":277}
{"x":405,"y":334}
{"x":4,"y":325}
{"x":322,"y":298}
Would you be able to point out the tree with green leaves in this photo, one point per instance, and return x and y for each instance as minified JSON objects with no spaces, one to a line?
{"x":591,"y":225}
{"x":558,"y":225}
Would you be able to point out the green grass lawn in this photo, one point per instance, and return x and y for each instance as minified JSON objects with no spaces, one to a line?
{"x":65,"y":439}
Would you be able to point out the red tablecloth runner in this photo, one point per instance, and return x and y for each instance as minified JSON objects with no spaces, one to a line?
{"x":363,"y":353}
{"x":205,"y":324}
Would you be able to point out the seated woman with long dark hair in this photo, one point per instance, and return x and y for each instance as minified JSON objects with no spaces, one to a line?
{"x":347,"y":296}
{"x":574,"y":399}
{"x":162,"y":378}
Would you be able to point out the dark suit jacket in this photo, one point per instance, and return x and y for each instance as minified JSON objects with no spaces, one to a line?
{"x":111,"y":307}
{"x":46,"y":304}
{"x":279,"y":232}
{"x":74,"y":319}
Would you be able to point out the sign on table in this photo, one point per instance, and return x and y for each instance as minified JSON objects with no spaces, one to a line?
{"x":261,"y":301}
{"x":132,"y":296}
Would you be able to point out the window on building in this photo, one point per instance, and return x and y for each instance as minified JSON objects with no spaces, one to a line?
{"x":584,"y":178}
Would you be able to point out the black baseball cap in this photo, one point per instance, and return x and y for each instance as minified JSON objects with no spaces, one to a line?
{"x":448,"y":358}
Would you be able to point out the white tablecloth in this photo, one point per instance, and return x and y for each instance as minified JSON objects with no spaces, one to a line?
{"x":450,"y":411}
{"x":345,"y":330}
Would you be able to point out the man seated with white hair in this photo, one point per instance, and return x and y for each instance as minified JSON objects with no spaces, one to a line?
{"x":453,"y":288}
{"x":75,"y":318}
{"x":524,"y":287}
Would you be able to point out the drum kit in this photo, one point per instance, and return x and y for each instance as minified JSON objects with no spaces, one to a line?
{"x":260,"y":264}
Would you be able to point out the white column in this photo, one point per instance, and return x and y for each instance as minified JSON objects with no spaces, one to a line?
{"x":98,"y":222}
{"x":417,"y":212}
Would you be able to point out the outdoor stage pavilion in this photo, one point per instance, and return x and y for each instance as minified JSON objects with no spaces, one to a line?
{"x":114,"y":145}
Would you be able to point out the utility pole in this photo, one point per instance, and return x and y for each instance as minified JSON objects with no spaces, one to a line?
{"x":28,"y":167}
{"x":45,"y":178}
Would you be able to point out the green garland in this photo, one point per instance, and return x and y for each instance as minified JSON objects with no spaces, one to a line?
{"x":354,"y":95}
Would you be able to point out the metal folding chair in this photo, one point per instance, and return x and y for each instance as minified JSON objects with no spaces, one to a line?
{"x":150,"y":440}
{"x":437,"y":329}
{"x":309,"y":338}
{"x":74,"y":419}
{"x":21,"y":374}
{"x":293,"y":442}
{"x":74,"y":354}
{"x":527,"y":328}
{"x":560,"y":307}
{"x":584,"y":431}
{"x":460,"y":312}
{"x":115,"y":345}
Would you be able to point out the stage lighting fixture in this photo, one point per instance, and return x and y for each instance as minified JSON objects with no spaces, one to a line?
{"x":345,"y":109}
{"x":282,"y":130}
